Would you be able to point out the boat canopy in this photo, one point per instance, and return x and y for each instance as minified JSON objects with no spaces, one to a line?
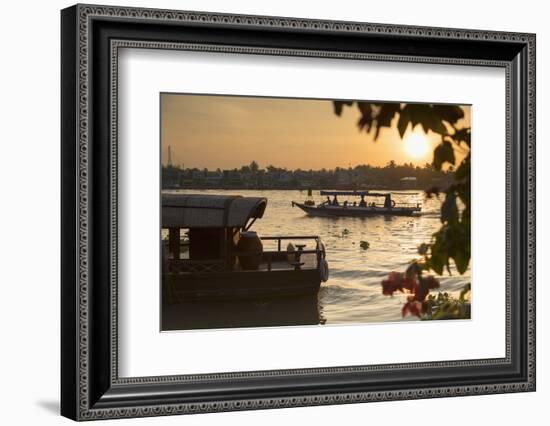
{"x":210,"y":211}
{"x":355,"y":193}
{"x":365,"y":193}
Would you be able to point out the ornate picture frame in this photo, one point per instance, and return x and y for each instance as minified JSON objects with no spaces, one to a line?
{"x":91,"y":38}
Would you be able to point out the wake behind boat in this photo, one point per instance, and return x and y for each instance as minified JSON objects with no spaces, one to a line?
{"x":335,"y":208}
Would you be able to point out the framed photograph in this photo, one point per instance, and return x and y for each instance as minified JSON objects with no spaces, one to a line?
{"x":263,"y":212}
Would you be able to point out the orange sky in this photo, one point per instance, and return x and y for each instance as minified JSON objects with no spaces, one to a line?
{"x":228,"y":132}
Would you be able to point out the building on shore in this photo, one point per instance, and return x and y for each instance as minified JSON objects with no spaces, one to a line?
{"x":408,"y":182}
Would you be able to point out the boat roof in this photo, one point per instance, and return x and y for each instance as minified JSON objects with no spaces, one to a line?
{"x":356,"y":193}
{"x":210,"y":211}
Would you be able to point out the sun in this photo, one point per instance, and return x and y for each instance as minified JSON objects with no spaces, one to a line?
{"x":416,"y":144}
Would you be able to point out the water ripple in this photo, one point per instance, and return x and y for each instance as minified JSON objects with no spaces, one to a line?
{"x":353,"y":292}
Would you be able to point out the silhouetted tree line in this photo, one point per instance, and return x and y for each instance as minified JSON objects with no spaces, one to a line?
{"x":360,"y":176}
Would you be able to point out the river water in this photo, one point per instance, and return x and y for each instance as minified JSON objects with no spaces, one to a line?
{"x":353,"y":293}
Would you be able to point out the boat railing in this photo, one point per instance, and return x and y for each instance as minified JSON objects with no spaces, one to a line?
{"x":271,"y":252}
{"x":408,"y":205}
{"x":344,"y":205}
{"x":271,"y":256}
{"x":401,"y":205}
{"x":280,"y":238}
{"x":176,"y":266}
{"x":412,"y":206}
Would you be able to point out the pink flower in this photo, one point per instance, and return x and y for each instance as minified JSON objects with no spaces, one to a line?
{"x":393,"y":283}
{"x":398,"y":281}
{"x":428,"y":283}
{"x":412,"y":307}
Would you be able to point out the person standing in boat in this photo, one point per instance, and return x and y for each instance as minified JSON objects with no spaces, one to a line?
{"x":362,"y":203}
{"x":387,"y":202}
{"x":335,"y":201}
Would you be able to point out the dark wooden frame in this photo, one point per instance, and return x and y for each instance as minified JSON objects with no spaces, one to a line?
{"x":90,"y":386}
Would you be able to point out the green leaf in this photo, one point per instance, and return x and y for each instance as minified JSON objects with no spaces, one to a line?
{"x":439,"y":258}
{"x":436,"y":263}
{"x":463,"y":170}
{"x":462,"y":260}
{"x":434,"y":123}
{"x":386,"y":114}
{"x":449,"y":209}
{"x":465,"y":290}
{"x":365,"y":108}
{"x":339,"y":106}
{"x":403,"y":123}
{"x":449,"y":113}
{"x":443,"y":153}
{"x":426,"y":116}
{"x":413,"y":270}
{"x":366,"y":120}
{"x":462,"y":135}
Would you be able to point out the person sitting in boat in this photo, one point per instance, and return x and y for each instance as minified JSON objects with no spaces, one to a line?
{"x":335,"y":201}
{"x":362,"y":203}
{"x":346,"y":203}
{"x":328,"y":201}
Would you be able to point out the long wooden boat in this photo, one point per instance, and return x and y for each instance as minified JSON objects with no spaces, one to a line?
{"x":334,"y":208}
{"x":206,"y":261}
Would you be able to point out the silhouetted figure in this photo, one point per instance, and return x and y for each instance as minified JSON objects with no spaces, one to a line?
{"x":387,"y":202}
{"x":362,"y":203}
{"x":335,"y":201}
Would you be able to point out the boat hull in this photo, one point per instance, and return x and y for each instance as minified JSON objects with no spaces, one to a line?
{"x":240,"y":284}
{"x":355,"y":211}
{"x":272,"y":312}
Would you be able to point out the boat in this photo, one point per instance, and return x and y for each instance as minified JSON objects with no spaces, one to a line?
{"x":220,"y":313}
{"x":209,"y":252}
{"x":334,"y":208}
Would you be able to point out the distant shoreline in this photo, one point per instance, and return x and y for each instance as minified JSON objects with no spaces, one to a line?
{"x":301,"y":189}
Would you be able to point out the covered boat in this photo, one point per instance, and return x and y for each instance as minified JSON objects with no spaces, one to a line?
{"x":209,"y":251}
{"x":362,"y":208}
